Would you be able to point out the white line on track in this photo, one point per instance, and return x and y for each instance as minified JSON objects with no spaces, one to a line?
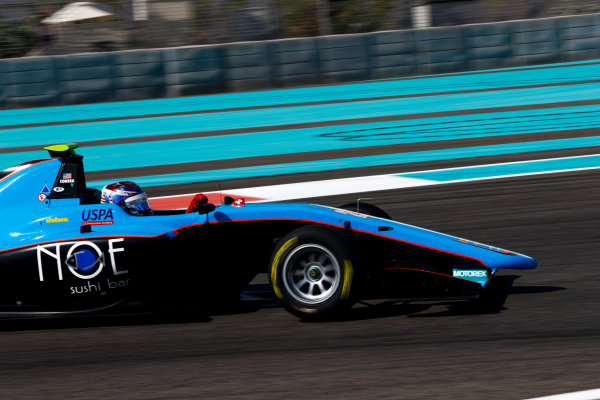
{"x":484,"y":178}
{"x":331,"y":187}
{"x":508,"y":163}
{"x":302,"y":190}
{"x":365,"y":184}
{"x":593,"y":394}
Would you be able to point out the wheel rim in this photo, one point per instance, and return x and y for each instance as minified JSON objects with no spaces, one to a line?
{"x":311,"y":273}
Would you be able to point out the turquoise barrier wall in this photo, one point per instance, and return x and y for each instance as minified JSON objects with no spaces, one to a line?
{"x":142,"y":74}
{"x":392,"y":54}
{"x":294,"y":61}
{"x":489,"y":46}
{"x":138,"y":75}
{"x":193,"y":70}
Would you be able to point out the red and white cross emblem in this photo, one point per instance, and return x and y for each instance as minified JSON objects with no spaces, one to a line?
{"x":239,"y":202}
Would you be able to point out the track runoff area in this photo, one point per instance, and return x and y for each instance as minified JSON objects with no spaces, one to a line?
{"x":357,"y":138}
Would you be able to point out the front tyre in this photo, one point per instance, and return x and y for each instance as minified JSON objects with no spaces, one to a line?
{"x":312,"y":272}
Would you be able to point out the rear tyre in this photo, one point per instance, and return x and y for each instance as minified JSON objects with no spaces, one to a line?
{"x":312,"y":272}
{"x":366,"y":208}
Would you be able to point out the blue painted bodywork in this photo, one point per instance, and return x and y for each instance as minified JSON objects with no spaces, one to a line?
{"x":32,"y":218}
{"x":61,"y":250}
{"x":489,"y":256}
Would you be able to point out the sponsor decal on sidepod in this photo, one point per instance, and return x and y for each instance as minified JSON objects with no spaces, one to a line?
{"x":67,"y":178}
{"x":56,"y":220}
{"x":97,"y":217}
{"x":476,"y":275}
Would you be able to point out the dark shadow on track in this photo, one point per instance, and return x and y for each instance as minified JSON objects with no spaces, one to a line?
{"x":492,"y":298}
{"x":491,"y":301}
{"x":259,"y":297}
{"x":95,"y":321}
{"x":140,"y":313}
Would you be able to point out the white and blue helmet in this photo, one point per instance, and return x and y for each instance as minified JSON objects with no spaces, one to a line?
{"x":128,"y":195}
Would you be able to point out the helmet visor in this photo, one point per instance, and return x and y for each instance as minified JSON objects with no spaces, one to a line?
{"x":138,"y":204}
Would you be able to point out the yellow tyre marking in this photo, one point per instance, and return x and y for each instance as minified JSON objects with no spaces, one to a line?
{"x":276,"y":263}
{"x":306,"y":310}
{"x":348,"y":273}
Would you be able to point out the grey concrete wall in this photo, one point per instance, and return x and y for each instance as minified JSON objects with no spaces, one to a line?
{"x":142,"y":74}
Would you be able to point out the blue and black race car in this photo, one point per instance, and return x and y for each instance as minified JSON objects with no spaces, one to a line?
{"x":62,"y":251}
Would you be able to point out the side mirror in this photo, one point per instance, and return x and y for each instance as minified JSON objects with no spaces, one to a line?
{"x":205,"y":208}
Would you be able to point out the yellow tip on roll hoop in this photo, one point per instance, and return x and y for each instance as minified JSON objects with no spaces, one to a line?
{"x":65,"y":147}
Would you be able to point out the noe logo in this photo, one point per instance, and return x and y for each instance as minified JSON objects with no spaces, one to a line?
{"x":97,"y":217}
{"x":84,"y":259}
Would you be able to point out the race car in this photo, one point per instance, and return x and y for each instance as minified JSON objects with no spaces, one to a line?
{"x":62,"y":251}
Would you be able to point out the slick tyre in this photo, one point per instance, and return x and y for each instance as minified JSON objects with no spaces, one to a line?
{"x":312,"y":272}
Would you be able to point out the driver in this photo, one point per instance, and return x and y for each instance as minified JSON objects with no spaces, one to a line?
{"x":128,"y":195}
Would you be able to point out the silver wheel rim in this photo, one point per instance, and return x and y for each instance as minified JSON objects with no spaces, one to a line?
{"x":311,"y":273}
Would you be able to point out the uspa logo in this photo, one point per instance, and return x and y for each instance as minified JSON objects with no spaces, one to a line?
{"x":100,"y":216}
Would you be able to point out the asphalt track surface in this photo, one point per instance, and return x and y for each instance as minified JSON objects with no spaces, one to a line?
{"x":535,"y":333}
{"x":538,"y":333}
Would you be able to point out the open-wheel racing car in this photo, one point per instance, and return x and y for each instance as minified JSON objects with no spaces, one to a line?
{"x":64,"y":252}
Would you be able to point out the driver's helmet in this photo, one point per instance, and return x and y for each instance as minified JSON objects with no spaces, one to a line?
{"x":128,"y":195}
